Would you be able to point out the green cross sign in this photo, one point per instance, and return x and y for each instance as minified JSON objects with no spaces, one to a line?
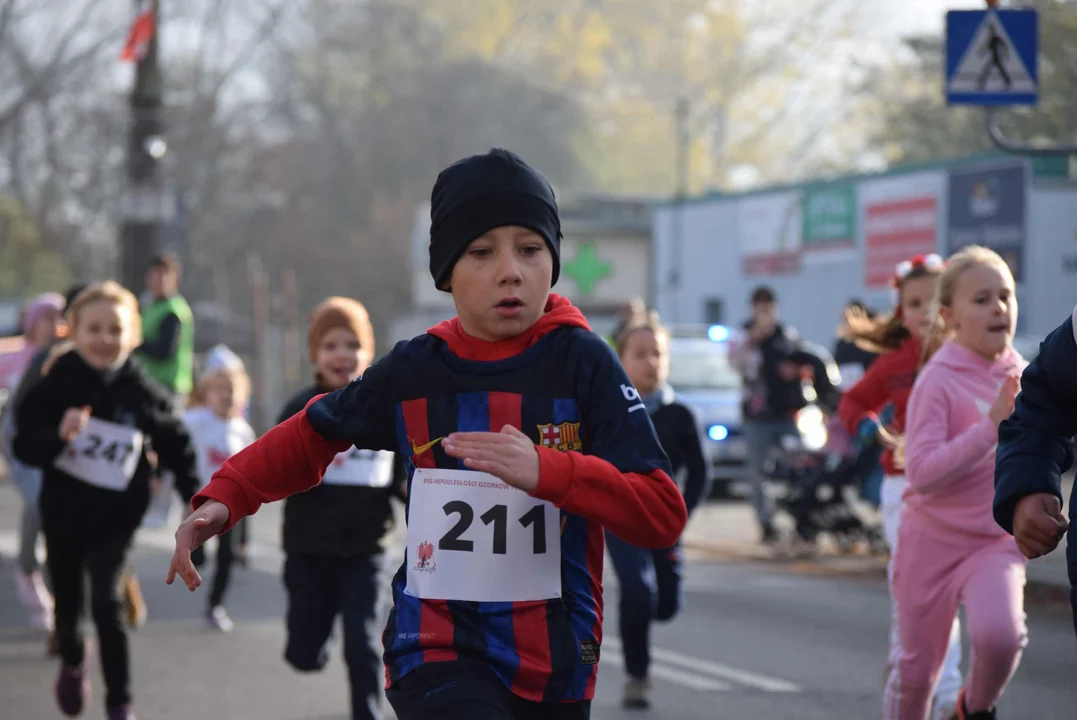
{"x":587,"y":268}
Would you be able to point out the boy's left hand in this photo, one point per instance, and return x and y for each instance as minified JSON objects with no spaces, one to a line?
{"x":509,"y":455}
{"x":1038,"y":524}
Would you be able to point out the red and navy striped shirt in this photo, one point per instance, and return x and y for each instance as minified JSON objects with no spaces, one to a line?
{"x":599,"y":462}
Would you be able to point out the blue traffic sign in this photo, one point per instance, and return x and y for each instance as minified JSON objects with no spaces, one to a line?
{"x":992,"y":57}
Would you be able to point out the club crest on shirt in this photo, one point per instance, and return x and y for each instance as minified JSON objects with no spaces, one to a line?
{"x":424,"y":557}
{"x":564,"y":436}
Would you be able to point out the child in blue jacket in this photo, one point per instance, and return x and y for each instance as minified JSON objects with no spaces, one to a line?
{"x":1036,"y":447}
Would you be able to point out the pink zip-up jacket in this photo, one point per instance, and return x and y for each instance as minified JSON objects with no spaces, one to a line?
{"x":950,"y":440}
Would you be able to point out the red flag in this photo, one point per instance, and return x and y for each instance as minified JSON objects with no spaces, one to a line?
{"x":138,"y":38}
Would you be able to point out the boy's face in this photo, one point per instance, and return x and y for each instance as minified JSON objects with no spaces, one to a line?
{"x":339,"y":359}
{"x":162,"y":282}
{"x":765,"y":314}
{"x":501,"y":283}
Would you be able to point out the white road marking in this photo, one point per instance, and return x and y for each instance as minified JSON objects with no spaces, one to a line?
{"x":673,"y":675}
{"x":715,"y":669}
{"x":685,"y":670}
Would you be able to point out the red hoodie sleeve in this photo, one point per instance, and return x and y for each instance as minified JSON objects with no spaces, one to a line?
{"x":645,"y":510}
{"x":293,"y":456}
{"x":623,"y":481}
{"x":866,"y":397}
{"x":290,"y":458}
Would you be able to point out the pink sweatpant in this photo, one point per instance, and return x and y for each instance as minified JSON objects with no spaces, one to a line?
{"x":933,"y":572}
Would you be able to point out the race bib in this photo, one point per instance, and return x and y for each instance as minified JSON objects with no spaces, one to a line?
{"x":104,"y":455}
{"x":362,"y":468}
{"x":472,"y":537}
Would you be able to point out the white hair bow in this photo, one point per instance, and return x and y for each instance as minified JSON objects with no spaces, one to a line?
{"x":932,"y":262}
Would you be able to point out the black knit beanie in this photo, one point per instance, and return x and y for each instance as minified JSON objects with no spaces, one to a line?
{"x":482,"y":192}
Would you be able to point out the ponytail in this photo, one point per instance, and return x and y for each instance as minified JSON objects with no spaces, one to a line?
{"x":877,"y":336}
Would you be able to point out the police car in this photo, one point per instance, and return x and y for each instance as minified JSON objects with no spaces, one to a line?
{"x":702,"y":376}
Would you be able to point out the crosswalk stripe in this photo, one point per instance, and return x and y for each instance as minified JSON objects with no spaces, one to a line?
{"x":719,"y":670}
{"x":673,"y":675}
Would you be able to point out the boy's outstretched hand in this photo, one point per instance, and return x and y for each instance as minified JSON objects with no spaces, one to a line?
{"x":200,"y":525}
{"x":509,"y":455}
{"x":1038,"y":524}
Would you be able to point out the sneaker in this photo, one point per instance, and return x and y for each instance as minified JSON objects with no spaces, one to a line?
{"x":35,"y":596}
{"x":72,"y":689}
{"x":120,"y":712}
{"x":964,"y":714}
{"x":637,"y":694}
{"x":770,"y":535}
{"x":134,"y":604}
{"x":218,"y":617}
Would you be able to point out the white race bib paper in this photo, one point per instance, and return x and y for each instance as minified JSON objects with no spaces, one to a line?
{"x":104,"y":455}
{"x":361,"y":468}
{"x":472,"y":537}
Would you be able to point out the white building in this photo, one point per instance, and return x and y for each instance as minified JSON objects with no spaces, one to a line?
{"x":820,"y":244}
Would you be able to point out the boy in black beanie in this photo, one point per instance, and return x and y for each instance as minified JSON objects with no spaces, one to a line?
{"x":1035,"y":449}
{"x":525,"y":439}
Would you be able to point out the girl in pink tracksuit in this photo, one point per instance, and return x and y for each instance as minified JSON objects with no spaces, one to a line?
{"x":950,"y":551}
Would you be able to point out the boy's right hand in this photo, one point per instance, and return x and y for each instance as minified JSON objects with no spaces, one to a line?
{"x":1007,"y":395}
{"x":200,"y":525}
{"x":1038,"y":524}
{"x":73,"y":422}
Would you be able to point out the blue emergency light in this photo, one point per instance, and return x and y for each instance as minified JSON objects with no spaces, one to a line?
{"x":718,"y":432}
{"x":718,"y":333}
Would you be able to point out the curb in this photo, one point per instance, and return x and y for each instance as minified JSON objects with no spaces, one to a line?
{"x":818,"y":564}
{"x":862,"y":566}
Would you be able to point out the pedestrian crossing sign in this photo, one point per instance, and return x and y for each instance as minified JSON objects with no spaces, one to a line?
{"x":992,"y":57}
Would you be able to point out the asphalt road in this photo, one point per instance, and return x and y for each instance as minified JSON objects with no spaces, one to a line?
{"x":754,"y":641}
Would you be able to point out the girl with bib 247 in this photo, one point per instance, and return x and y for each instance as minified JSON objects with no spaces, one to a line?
{"x":87,"y":423}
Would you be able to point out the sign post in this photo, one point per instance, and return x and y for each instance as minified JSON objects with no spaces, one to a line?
{"x":992,"y":60}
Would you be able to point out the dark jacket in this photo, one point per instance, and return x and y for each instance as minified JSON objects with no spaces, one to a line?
{"x":678,"y":433}
{"x":131,"y":398}
{"x":1035,"y":444}
{"x":853,"y":361}
{"x":767,"y":395}
{"x":338,"y":520}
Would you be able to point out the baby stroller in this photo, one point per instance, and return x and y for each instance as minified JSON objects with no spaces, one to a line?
{"x":824,"y":479}
{"x":822,"y":488}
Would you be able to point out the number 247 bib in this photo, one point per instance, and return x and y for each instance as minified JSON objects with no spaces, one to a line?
{"x":104,"y":455}
{"x":472,"y":537}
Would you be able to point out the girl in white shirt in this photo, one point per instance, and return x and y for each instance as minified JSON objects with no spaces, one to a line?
{"x":219,"y":431}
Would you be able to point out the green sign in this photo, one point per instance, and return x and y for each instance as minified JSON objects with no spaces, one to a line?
{"x":587,"y":268}
{"x":829,"y":216}
{"x":1051,"y":166}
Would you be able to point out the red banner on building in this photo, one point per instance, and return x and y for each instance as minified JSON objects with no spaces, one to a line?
{"x":895,"y":231}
